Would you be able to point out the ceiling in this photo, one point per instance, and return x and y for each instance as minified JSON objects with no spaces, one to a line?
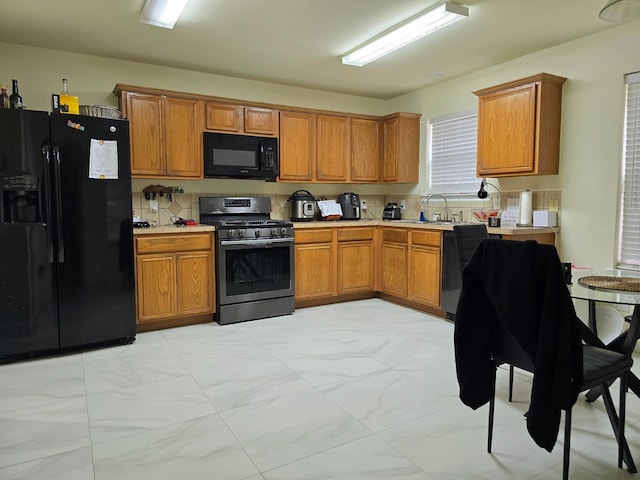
{"x":299,"y":42}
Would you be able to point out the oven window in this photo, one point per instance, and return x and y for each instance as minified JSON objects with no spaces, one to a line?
{"x":256,"y":270}
{"x":234,"y":158}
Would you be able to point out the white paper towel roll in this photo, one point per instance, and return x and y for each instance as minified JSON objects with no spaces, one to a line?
{"x":526,"y":208}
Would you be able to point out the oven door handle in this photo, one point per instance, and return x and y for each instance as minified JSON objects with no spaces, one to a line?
{"x":257,"y":241}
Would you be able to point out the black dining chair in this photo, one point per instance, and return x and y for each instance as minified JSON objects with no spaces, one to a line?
{"x":468,"y":237}
{"x":515,"y":308}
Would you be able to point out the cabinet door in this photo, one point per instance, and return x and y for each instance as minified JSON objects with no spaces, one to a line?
{"x":314,"y":270}
{"x":425,"y":275}
{"x":506,"y":131}
{"x":183,"y":134}
{"x":146,"y":124}
{"x":365,"y":150}
{"x":355,"y":267}
{"x":333,"y":148}
{"x":394,"y":269}
{"x":390,"y":150}
{"x":297,"y":146}
{"x":227,"y":118}
{"x":156,"y":286}
{"x":195,"y":283}
{"x":261,"y":121}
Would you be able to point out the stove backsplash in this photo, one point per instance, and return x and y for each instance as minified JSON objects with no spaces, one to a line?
{"x":186,"y":205}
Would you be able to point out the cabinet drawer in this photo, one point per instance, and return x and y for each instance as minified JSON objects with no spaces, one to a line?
{"x":351,"y":234}
{"x":426,"y":238}
{"x":173,"y":243}
{"x":314,"y":236}
{"x":392,"y":235}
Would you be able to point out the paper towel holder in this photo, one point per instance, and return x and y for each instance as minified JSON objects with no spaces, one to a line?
{"x":526,"y":209}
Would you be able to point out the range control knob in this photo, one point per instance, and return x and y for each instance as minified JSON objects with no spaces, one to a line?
{"x":283,"y":231}
{"x":275,"y":232}
{"x":232,"y":233}
{"x":257,"y":232}
{"x":241,"y":233}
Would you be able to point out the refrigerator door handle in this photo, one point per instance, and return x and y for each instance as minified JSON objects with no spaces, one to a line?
{"x":46,"y":158}
{"x":58,"y":189}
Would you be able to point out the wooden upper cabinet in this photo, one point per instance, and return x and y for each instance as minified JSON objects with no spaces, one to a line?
{"x":333,"y":148}
{"x":519,"y":127}
{"x":297,"y":146}
{"x":227,"y":118}
{"x":240,"y":119}
{"x":401,"y":148}
{"x":166,"y":135}
{"x":365,"y":150}
{"x":183,"y":142}
{"x":261,"y":121}
{"x":146,"y":124}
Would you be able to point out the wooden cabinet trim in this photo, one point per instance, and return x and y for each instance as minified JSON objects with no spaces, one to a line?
{"x":420,"y":237}
{"x":395,"y":235}
{"x":314,"y":236}
{"x":172,"y":243}
{"x":352,"y":234}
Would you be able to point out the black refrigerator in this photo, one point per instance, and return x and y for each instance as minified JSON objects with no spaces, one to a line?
{"x":66,"y":240}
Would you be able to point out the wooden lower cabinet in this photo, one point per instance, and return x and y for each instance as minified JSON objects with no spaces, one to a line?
{"x":425,"y":270}
{"x":395,"y":251}
{"x":405,"y":264}
{"x":355,"y":260}
{"x":174,"y":276}
{"x":315,"y":264}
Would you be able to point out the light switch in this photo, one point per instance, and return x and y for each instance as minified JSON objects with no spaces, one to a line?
{"x":553,"y":205}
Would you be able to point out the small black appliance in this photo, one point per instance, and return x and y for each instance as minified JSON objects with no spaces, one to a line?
{"x":392,"y":212}
{"x":350,"y":204}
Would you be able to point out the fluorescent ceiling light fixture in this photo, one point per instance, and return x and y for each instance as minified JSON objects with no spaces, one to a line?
{"x":412,"y":29}
{"x":620,"y":10}
{"x":162,"y":13}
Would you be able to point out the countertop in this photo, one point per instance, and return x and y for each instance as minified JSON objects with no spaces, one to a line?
{"x":173,"y":229}
{"x":417,"y":224}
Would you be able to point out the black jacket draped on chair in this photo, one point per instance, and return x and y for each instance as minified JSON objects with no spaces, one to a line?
{"x":519,"y":286}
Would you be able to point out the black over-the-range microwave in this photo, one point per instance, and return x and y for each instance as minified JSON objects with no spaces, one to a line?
{"x":240,"y":156}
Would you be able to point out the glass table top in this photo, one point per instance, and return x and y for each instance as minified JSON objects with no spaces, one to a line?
{"x":599,"y":294}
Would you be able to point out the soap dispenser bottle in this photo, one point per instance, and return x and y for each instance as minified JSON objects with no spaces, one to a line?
{"x":422,"y":219}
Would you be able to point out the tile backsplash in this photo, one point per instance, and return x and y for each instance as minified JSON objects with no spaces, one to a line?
{"x":186,"y":205}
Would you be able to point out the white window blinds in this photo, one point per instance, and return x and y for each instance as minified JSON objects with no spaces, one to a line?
{"x":452,"y":150}
{"x":630,"y":238}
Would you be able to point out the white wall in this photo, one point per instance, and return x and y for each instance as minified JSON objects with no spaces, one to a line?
{"x":593,"y":107}
{"x":591,"y":135}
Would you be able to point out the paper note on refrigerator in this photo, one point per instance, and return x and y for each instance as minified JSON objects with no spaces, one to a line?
{"x":103,"y":159}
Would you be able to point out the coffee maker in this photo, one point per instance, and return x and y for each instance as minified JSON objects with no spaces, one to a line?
{"x":350,"y":204}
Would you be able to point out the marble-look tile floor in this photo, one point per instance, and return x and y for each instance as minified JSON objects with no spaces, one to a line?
{"x":354,"y":391}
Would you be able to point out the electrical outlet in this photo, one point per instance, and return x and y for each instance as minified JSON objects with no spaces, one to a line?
{"x":153,"y":206}
{"x":403,"y":205}
{"x":363,"y":205}
{"x":553,"y":205}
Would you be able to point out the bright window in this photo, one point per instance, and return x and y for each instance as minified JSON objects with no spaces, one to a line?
{"x":629,"y":249}
{"x":452,"y":153}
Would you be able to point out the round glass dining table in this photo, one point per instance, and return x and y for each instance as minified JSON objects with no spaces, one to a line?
{"x":624,"y":343}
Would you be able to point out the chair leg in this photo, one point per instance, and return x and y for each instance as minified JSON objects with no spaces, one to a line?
{"x":510,"y":382}
{"x":567,"y":444}
{"x":492,"y":404}
{"x":621,"y":417}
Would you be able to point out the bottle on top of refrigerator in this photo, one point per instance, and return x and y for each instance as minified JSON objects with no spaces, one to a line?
{"x":68,"y":102}
{"x":15,"y":100}
{"x":4,"y":97}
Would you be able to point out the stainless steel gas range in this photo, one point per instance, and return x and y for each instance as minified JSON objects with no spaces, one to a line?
{"x":254,"y":259}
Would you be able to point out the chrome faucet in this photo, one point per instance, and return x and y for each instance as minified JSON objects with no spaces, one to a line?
{"x":446,"y":206}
